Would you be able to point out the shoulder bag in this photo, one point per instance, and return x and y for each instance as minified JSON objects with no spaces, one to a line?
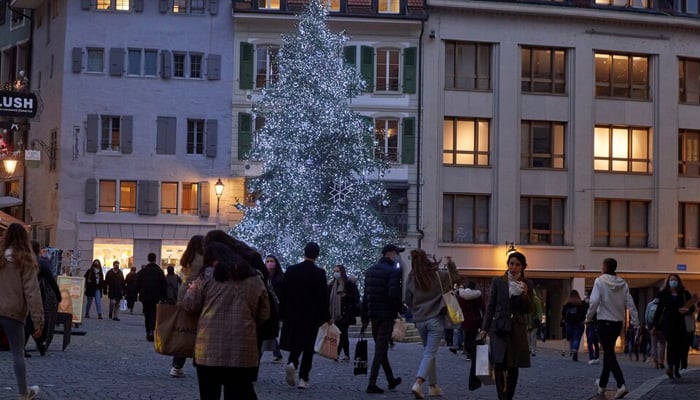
{"x":454,"y":312}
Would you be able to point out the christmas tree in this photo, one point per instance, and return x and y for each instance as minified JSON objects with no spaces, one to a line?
{"x":320,"y":176}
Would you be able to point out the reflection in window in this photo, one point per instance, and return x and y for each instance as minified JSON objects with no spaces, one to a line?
{"x":542,"y":144}
{"x":622,"y":149}
{"x":689,"y":152}
{"x":465,"y":218}
{"x":541,"y":220}
{"x":621,"y":223}
{"x":623,"y":76}
{"x":467,"y":66}
{"x":543,"y":70}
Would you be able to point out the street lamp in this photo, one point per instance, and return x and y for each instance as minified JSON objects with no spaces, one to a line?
{"x":9,"y":166}
{"x":219,"y":190}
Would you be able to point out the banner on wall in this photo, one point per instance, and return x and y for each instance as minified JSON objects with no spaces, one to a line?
{"x":72,"y":288}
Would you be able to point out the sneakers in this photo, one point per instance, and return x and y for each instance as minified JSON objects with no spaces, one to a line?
{"x":303,"y":384}
{"x":32,"y":392}
{"x":435,"y":390}
{"x":417,"y":390}
{"x":289,"y":372}
{"x":621,"y":392}
{"x":394,"y":383}
{"x":600,"y":390}
{"x":277,"y":360}
{"x":374,"y":389}
{"x":594,"y":361}
{"x":345,"y":358}
{"x":177,"y":372}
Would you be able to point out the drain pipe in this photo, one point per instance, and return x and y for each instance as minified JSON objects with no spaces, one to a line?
{"x":419,"y":113}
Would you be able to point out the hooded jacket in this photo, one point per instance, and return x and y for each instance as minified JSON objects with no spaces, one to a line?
{"x":609,"y":298}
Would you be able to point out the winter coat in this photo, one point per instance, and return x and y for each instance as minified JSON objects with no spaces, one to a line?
{"x":114,"y":280}
{"x":510,"y":349}
{"x":94,"y":281}
{"x":349,"y":304}
{"x":609,"y":298}
{"x":426,"y":304}
{"x":229,"y":313}
{"x":172,"y":287}
{"x":574,"y":314}
{"x":131,"y":284}
{"x":20,"y":292}
{"x":151,"y":283}
{"x":472,"y":304}
{"x":667,"y":318}
{"x":303,"y":306}
{"x":382,"y":294}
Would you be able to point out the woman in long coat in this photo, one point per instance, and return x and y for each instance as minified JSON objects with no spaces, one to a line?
{"x":507,"y":312}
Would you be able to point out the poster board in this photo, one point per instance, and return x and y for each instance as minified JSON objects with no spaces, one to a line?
{"x":72,"y":288}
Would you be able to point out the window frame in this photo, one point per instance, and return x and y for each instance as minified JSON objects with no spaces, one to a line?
{"x":195,"y":137}
{"x":102,"y":195}
{"x":531,"y":81}
{"x":688,"y":156}
{"x":90,"y":66}
{"x":473,"y":82}
{"x":391,"y":74}
{"x":529,"y":217}
{"x":605,"y":234}
{"x":180,"y":7}
{"x":530,"y":158}
{"x":268,"y":72}
{"x":113,"y":5}
{"x":131,"y":200}
{"x":686,"y":84}
{"x":608,"y":87}
{"x":111,"y":131}
{"x":163,"y":208}
{"x":190,"y":189}
{"x":614,"y":146}
{"x":476,"y":153}
{"x":479,"y":218}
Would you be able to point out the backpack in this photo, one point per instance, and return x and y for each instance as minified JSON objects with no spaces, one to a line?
{"x":651,"y":310}
{"x":572,"y":314}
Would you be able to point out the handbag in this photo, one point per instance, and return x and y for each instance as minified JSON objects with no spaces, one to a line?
{"x":327,"y":340}
{"x":398,"y":332}
{"x":502,"y":325}
{"x":176,"y":330}
{"x":360,"y":358}
{"x":689,"y":323}
{"x":483,"y":366}
{"x":454,"y":311}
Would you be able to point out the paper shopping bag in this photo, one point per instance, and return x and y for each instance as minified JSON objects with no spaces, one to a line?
{"x":398,"y":332}
{"x":483,"y":367}
{"x":360,"y":363}
{"x":327,"y":340}
{"x":176,"y":331}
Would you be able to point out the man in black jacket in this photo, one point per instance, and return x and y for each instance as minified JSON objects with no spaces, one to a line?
{"x":381,"y":304}
{"x":151,"y":284}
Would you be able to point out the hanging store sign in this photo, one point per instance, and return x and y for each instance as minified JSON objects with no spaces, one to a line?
{"x":18,"y":104}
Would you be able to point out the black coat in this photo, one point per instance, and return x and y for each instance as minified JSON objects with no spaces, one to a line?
{"x":151,"y":283}
{"x":667,"y":318}
{"x":132,"y":287}
{"x":349,"y":304}
{"x":114,"y":281}
{"x":303,"y":306}
{"x":382,"y":297}
{"x":94,"y":281}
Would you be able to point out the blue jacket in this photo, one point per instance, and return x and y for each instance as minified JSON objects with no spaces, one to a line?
{"x":382,"y":295}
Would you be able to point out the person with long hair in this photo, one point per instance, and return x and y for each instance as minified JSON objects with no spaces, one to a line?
{"x":424,"y":289}
{"x":344,"y":302}
{"x":573,"y":313}
{"x":94,"y":285}
{"x":505,"y":320}
{"x":670,"y":319}
{"x":231,"y":301}
{"x":20,"y":295}
{"x":191,"y":262}
{"x":275,"y":281}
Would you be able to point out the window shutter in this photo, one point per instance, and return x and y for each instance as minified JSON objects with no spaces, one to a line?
{"x":127,"y":145}
{"x":147,"y":195}
{"x":245,"y":135}
{"x":163,"y":6}
{"x":409,"y":70}
{"x":85,"y":4}
{"x":91,"y":196}
{"x":368,"y":136}
{"x":116,"y":61}
{"x":3,"y":13}
{"x":367,"y":66}
{"x":212,"y":132}
{"x":166,"y":64}
{"x":245,"y":79}
{"x":166,"y":130}
{"x":138,"y":5}
{"x":77,"y":65}
{"x":213,"y":7}
{"x":350,"y":55}
{"x":204,"y":199}
{"x":408,"y":141}
{"x":213,"y":67}
{"x":93,"y":121}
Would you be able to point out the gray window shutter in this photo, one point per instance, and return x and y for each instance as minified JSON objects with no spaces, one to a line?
{"x":204,"y":195}
{"x":245,"y":78}
{"x":213,"y":7}
{"x":163,"y":6}
{"x":409,"y":70}
{"x":127,"y":139}
{"x":77,"y":60}
{"x":91,"y":196}
{"x":212,"y":132}
{"x":93,"y":122}
{"x":116,"y":61}
{"x":166,"y":64}
{"x":138,"y":5}
{"x":245,"y":135}
{"x":147,"y":197}
{"x":85,"y":4}
{"x":213,"y":67}
{"x":166,"y":135}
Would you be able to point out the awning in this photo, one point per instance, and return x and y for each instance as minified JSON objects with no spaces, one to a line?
{"x":9,"y":201}
{"x":7,"y":219}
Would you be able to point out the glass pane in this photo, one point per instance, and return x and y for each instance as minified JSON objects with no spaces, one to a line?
{"x":525,"y":67}
{"x":560,"y":65}
{"x":542,"y":64}
{"x":620,"y":76}
{"x":465,"y":135}
{"x":168,"y":197}
{"x":466,"y":66}
{"x":108,"y":196}
{"x":690,"y":222}
{"x":541,"y":214}
{"x":448,"y":135}
{"x":382,"y":68}
{"x":393,"y":84}
{"x":692,"y":82}
{"x":447,"y":158}
{"x":450,"y":65}
{"x":189,"y":198}
{"x":464,"y":219}
{"x":482,"y":219}
{"x":602,"y":142}
{"x":640,"y":145}
{"x":483,"y":136}
{"x":484,"y":67}
{"x":640,"y":69}
{"x":524,"y":145}
{"x":150,"y":62}
{"x":464,"y":159}
{"x":619,"y":143}
{"x":618,"y":223}
{"x":447,"y":218}
{"x":525,"y":220}
{"x":127,"y":197}
{"x":601,"y":223}
{"x":638,"y":224}
{"x":392,"y":143}
{"x":134,"y":67}
{"x":602,"y":69}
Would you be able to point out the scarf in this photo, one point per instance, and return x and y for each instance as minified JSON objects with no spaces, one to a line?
{"x":335,"y":299}
{"x":515,"y":287}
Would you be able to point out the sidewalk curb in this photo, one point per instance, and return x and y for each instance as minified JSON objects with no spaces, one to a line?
{"x":650,"y":385}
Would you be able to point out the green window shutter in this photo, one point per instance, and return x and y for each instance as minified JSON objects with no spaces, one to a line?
{"x":408,"y":141}
{"x":91,"y":196}
{"x":409,"y":70}
{"x":367,"y":66}
{"x":245,"y":135}
{"x":350,"y":55}
{"x":245,"y":79}
{"x":127,"y":134}
{"x":93,"y":122}
{"x":368,"y":135}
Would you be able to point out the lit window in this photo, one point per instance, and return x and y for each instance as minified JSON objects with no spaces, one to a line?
{"x":269,"y":4}
{"x":267,"y":68}
{"x":625,"y":3}
{"x":621,"y":223}
{"x":467,"y":66}
{"x":118,"y":5}
{"x":465,"y":218}
{"x":189,"y":199}
{"x":541,"y":220}
{"x":333,"y":5}
{"x":108,"y":196}
{"x":689,"y":153}
{"x":465,"y":141}
{"x":622,"y":149}
{"x":387,"y":70}
{"x":127,"y":196}
{"x":95,"y":60}
{"x":386,"y":133}
{"x":168,"y":198}
{"x":622,"y":76}
{"x":195,"y":136}
{"x":389,"y":6}
{"x":188,"y":6}
{"x":543,"y":70}
{"x":542,"y":144}
{"x":110,"y":133}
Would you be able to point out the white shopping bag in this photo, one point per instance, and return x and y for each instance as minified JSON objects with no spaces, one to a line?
{"x":122,"y":305}
{"x":327,"y":340}
{"x":483,"y":367}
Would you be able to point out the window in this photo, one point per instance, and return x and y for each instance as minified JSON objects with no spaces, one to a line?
{"x":543,"y":70}
{"x":142,"y":62}
{"x":110,"y":133}
{"x":195,"y":65}
{"x":127,"y":196}
{"x":188,"y":6}
{"x":689,"y":80}
{"x":333,"y":5}
{"x":17,"y":17}
{"x":688,"y":225}
{"x":465,"y":141}
{"x":387,"y":70}
{"x":622,"y":149}
{"x":689,"y":152}
{"x":134,"y":59}
{"x":189,"y":199}
{"x":269,"y":4}
{"x":394,"y":213}
{"x":108,"y":196}
{"x":195,"y":136}
{"x":465,"y":218}
{"x":179,"y":65}
{"x":541,"y":220}
{"x":95,"y":60}
{"x":386,"y":133}
{"x":388,"y":6}
{"x":267,"y":68}
{"x":467,"y":66}
{"x":118,"y":5}
{"x":168,"y":198}
{"x":150,"y":62}
{"x":688,"y":7}
{"x":542,"y":144}
{"x":625,"y":3}
{"x":622,"y":76}
{"x":621,"y":223}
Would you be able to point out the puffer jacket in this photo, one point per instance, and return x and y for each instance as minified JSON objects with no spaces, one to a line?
{"x":382,"y":294}
{"x":20,"y":291}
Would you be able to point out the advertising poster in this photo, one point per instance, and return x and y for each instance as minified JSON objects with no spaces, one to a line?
{"x":72,"y":288}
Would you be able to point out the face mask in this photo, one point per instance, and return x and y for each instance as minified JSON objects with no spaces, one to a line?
{"x":336,"y":275}
{"x":673,"y":284}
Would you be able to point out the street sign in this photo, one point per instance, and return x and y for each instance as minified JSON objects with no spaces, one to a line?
{"x":681,"y":267}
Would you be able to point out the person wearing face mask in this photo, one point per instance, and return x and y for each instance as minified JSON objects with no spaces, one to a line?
{"x":670,"y":319}
{"x":275,"y":281}
{"x":344,"y":303}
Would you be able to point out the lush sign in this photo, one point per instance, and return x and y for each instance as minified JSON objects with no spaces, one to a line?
{"x":18,"y":104}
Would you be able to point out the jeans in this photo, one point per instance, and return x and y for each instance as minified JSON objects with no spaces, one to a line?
{"x":430,"y":333}
{"x":574,"y":332}
{"x":14,"y":330}
{"x":98,"y":303}
{"x":381,"y":332}
{"x":592,"y":340}
{"x":458,"y":340}
{"x":237,"y":383}
{"x":608,"y":331}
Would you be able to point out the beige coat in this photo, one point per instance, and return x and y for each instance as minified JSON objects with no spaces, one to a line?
{"x":20,"y":292}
